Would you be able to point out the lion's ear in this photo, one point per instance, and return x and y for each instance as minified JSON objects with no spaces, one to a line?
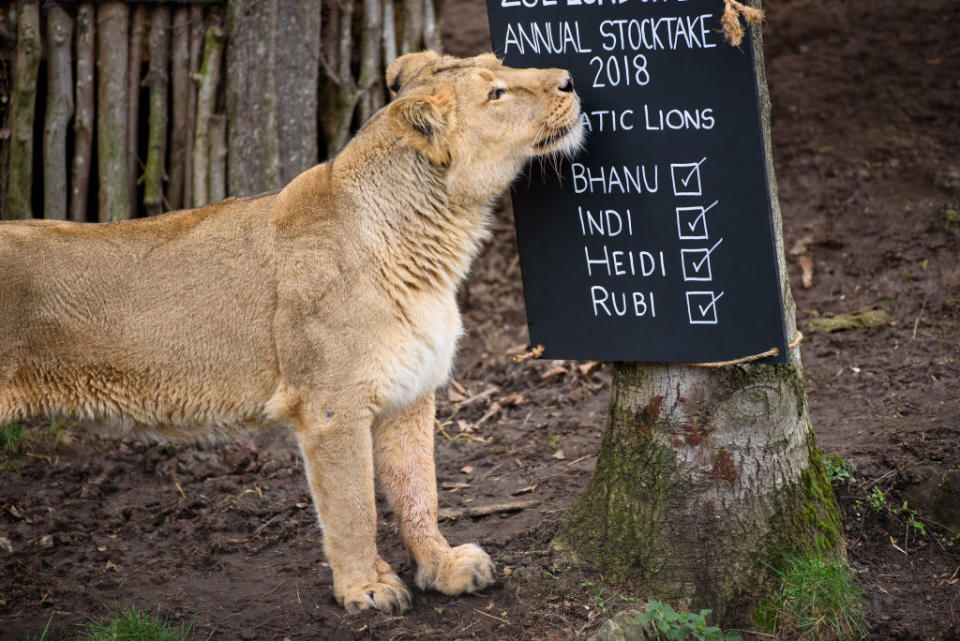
{"x":405,"y":68}
{"x":424,"y":120}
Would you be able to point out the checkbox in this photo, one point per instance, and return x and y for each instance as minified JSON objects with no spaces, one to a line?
{"x":702,"y":307}
{"x":696,"y":263}
{"x":686,"y":178}
{"x":692,"y":222}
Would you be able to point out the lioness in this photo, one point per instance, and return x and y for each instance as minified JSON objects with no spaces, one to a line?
{"x":328,"y":307}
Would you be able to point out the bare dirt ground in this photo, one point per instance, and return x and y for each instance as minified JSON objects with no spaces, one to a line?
{"x":867,"y":143}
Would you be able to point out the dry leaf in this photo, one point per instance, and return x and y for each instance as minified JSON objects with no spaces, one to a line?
{"x":558,"y":370}
{"x":512,"y":400}
{"x":800,"y":247}
{"x":587,"y":369}
{"x":806,"y":265}
{"x":466,"y":469}
{"x":559,"y":455}
{"x":494,"y":409}
{"x":6,"y":544}
{"x":465,"y":427}
{"x":111,"y":566}
{"x":519,"y":348}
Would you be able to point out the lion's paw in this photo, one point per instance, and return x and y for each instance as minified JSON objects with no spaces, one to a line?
{"x":465,"y":568}
{"x":388,"y":593}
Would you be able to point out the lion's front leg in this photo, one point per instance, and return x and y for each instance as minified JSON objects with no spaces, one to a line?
{"x":338,"y":458}
{"x":403,"y":451}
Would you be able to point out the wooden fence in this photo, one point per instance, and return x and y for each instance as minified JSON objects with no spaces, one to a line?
{"x":111,"y":110}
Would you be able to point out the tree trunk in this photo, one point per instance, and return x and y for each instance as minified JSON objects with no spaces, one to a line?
{"x":138,"y":28}
{"x":24,"y":102}
{"x":158,"y":81}
{"x":207,"y":79}
{"x":59,"y":110}
{"x":180,"y":134}
{"x":297,"y":77}
{"x":707,"y":476}
{"x":83,"y":116}
{"x":254,"y":154}
{"x":112,"y":156}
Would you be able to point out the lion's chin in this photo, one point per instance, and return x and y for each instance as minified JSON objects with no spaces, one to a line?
{"x":565,"y":141}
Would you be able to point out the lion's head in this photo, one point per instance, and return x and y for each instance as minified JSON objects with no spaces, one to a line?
{"x":480,"y":119}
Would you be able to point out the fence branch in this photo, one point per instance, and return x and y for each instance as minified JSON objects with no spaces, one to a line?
{"x":157,"y":80}
{"x":59,"y":110}
{"x":113,"y":19}
{"x":23,"y":109}
{"x":207,"y":79}
{"x":83,"y":118}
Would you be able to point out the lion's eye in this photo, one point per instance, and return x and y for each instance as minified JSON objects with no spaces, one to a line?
{"x":495,"y":93}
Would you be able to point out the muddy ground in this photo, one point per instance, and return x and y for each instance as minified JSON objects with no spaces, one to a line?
{"x":866,"y":130}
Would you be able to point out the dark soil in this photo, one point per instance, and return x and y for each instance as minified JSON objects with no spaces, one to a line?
{"x":866,"y":129}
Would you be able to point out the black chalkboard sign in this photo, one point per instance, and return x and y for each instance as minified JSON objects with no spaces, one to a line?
{"x":656,"y":243}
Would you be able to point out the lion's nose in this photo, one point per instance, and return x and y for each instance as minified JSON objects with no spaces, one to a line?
{"x":567,"y":85}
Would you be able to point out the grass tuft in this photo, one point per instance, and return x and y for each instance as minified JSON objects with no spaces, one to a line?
{"x":13,"y":438}
{"x":817,"y":601}
{"x":128,"y":623}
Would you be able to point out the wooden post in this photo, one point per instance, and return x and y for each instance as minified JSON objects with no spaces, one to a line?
{"x":138,"y":28}
{"x":196,"y":51}
{"x":412,"y":34}
{"x":297,"y":72}
{"x":180,"y":129}
{"x":83,"y":118}
{"x":218,"y":157}
{"x":253,"y":142}
{"x":207,"y":78}
{"x":23,"y":109}
{"x":113,"y":19}
{"x":157,"y":81}
{"x":59,"y":110}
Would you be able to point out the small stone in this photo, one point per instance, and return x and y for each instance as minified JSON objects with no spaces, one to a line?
{"x":46,"y":541}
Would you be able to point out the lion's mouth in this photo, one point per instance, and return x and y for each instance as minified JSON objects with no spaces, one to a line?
{"x":553,"y":137}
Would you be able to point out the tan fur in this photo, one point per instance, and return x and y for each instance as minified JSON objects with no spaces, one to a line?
{"x":328,"y":307}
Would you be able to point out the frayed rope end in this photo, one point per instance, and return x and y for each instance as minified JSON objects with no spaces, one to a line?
{"x":733,"y":10}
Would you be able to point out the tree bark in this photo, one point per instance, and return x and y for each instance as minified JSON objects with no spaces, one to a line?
{"x":59,"y":110}
{"x":22,"y":117}
{"x":138,"y":28}
{"x":158,"y":82}
{"x":208,"y":78}
{"x":83,"y":117}
{"x":254,"y":154}
{"x":196,"y":50}
{"x":180,"y":130}
{"x":297,"y":79}
{"x":707,"y":476}
{"x":112,"y":155}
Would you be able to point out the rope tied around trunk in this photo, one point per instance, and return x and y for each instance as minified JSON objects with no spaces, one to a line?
{"x":537,"y":352}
